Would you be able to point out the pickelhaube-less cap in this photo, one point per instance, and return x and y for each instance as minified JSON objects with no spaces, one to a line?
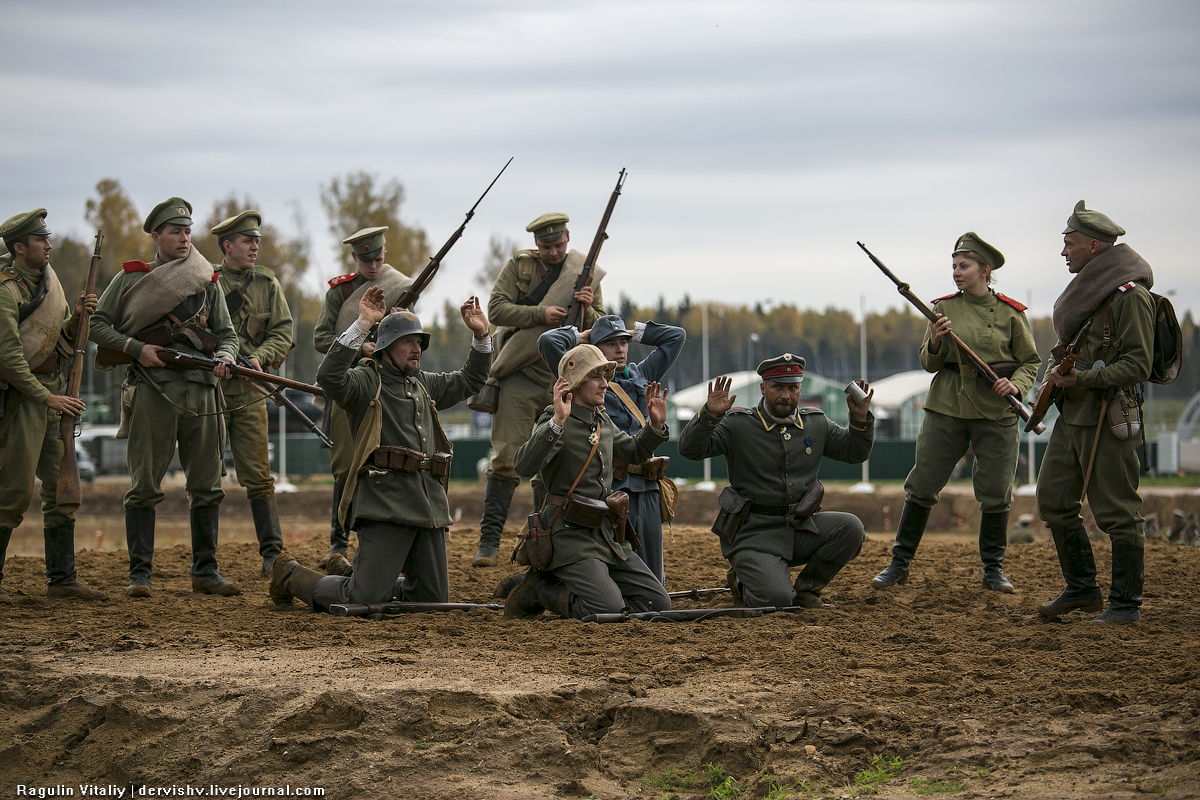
{"x":398,"y":325}
{"x":609,"y":327}
{"x":247,"y":223}
{"x":581,"y":362}
{"x":31,"y":222}
{"x":1093,"y":224}
{"x":549,"y":227}
{"x":970,"y":242}
{"x":175,"y":211}
{"x":787,"y":368}
{"x":367,"y":243}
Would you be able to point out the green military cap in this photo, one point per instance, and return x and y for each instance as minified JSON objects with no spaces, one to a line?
{"x":246,"y":223}
{"x":174,"y":211}
{"x":367,"y":243}
{"x":1093,"y":224}
{"x":1025,"y":519}
{"x":549,"y":227}
{"x":786,"y":368}
{"x":970,"y":242}
{"x":24,"y":224}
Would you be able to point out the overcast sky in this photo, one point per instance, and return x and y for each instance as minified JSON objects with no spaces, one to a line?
{"x":762,"y":139}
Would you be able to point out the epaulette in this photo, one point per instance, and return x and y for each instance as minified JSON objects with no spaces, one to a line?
{"x":1125,"y":287}
{"x":135,"y":266}
{"x":740,"y":410}
{"x":1006,"y":299}
{"x":947,"y":297}
{"x":266,"y":272}
{"x":216,"y":277}
{"x":809,"y":410}
{"x":340,"y":279}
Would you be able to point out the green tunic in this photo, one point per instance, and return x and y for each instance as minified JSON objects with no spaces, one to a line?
{"x":773,"y":464}
{"x":324,"y":336}
{"x":559,"y":458}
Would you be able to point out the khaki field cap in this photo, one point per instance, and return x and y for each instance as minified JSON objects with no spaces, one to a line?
{"x":582,"y":362}
{"x":24,"y":224}
{"x":549,"y":227}
{"x":786,"y":368}
{"x":367,"y":243}
{"x":174,"y":211}
{"x":246,"y":223}
{"x":1093,"y":224}
{"x":970,"y":242}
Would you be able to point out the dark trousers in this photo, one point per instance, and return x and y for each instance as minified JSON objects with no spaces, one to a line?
{"x":385,"y":550}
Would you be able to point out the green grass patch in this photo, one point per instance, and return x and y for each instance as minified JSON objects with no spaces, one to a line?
{"x":923,"y":786}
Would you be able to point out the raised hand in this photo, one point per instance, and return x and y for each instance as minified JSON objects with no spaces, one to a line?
{"x":719,"y":401}
{"x":562,"y":402}
{"x":859,"y":410}
{"x":474,"y":317}
{"x":656,"y":403}
{"x":371,"y":307}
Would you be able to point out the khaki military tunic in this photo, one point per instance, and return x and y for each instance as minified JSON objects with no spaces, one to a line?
{"x":324,"y":336}
{"x":264,"y":327}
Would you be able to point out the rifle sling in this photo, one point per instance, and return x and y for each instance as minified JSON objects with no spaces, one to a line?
{"x":24,"y":311}
{"x":548,"y":277}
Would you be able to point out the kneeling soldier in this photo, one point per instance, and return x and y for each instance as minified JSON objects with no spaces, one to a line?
{"x":773,"y":453}
{"x":581,"y":554}
{"x":395,"y":495}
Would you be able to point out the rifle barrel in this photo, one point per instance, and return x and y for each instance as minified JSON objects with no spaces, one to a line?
{"x":67,"y":490}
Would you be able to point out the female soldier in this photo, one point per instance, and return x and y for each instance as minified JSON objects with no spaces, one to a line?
{"x":965,"y":410}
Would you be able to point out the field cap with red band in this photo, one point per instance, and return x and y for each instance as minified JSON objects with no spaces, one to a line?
{"x":786,"y":368}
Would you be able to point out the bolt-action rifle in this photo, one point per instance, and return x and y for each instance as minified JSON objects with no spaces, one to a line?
{"x":980,"y":365}
{"x":694,"y":594}
{"x":1048,"y":392}
{"x":409,"y":297}
{"x":575,"y":310}
{"x":177,"y":358}
{"x":68,"y":489}
{"x":280,"y":399}
{"x":692,"y":614}
{"x":369,"y":609}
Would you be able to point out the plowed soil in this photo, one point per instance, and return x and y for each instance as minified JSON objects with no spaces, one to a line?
{"x":963,"y":691}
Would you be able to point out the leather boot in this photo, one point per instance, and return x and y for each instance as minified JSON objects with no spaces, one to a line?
{"x":205,"y":578}
{"x":336,"y":564}
{"x":908,"y":535}
{"x":139,"y":539}
{"x":339,"y":539}
{"x":735,"y":587}
{"x":1078,"y":570}
{"x":60,"y":566}
{"x":556,"y":598}
{"x":266,"y":527}
{"x":1125,"y":594}
{"x":525,"y":600}
{"x":5,"y":535}
{"x":497,"y":498}
{"x":505,"y":587}
{"x":815,"y":576}
{"x":289,"y":579}
{"x":993,"y":540}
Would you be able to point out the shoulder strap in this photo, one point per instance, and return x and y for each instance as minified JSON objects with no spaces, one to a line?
{"x":627,"y":401}
{"x":578,"y":477}
{"x":548,"y":277}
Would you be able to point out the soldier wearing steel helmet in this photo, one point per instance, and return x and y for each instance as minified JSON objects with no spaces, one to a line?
{"x":395,"y":496}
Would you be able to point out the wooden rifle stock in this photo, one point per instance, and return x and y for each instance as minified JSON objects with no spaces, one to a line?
{"x":68,"y":489}
{"x":410,"y":296}
{"x":367,"y":609}
{"x":1048,"y":392}
{"x":979,"y":364}
{"x":575,"y":310}
{"x":176,"y":358}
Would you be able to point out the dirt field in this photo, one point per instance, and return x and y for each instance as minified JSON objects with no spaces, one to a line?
{"x":971,"y":691}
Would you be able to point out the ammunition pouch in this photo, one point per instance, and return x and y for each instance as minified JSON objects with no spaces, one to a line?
{"x":618,"y":514}
{"x":406,"y":461}
{"x":652,"y":469}
{"x":441,"y":464}
{"x":484,"y":401}
{"x":732,"y":510}
{"x":808,"y":505}
{"x":1124,"y":416}
{"x":536,"y":544}
{"x":575,"y":509}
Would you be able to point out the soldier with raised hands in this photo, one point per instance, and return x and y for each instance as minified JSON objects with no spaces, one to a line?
{"x":37,"y":331}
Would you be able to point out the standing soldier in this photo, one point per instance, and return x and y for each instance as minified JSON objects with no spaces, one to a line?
{"x":162,"y":406}
{"x":530,"y":297}
{"x":1086,"y":454}
{"x":340,"y":309}
{"x":966,"y":411}
{"x":37,"y":332}
{"x":263,"y":322}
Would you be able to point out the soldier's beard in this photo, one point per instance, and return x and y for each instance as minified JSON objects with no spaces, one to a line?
{"x":783,"y":410}
{"x":411,"y":368}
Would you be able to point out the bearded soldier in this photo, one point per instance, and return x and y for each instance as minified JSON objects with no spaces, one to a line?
{"x":176,"y":302}
{"x":368,"y":250}
{"x":263,"y":322}
{"x":37,"y":333}
{"x":530,"y":297}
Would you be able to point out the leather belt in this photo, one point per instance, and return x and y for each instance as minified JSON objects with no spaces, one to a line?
{"x":50,"y":366}
{"x":630,"y":469}
{"x":770,"y":511}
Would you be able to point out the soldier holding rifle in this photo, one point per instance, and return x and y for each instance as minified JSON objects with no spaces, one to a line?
{"x":1088,"y":455}
{"x":395,"y":497}
{"x":260,"y":315}
{"x":36,"y":332}
{"x":967,"y":409}
{"x":139,"y":315}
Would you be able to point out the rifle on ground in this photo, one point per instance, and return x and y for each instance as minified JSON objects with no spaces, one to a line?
{"x":980,"y":365}
{"x":177,"y":358}
{"x":68,"y":489}
{"x":369,"y":609}
{"x":409,"y":297}
{"x":280,"y":399}
{"x":692,"y":614}
{"x":694,"y":594}
{"x":1048,"y":392}
{"x":575,"y":310}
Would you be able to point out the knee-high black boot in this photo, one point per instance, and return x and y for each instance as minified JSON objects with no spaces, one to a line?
{"x":908,"y":535}
{"x":5,"y":536}
{"x":139,"y":539}
{"x":993,"y":540}
{"x":205,"y":578}
{"x":1079,"y":571}
{"x":1128,"y":576}
{"x":60,"y":566}
{"x":266,"y":527}
{"x":497,"y":498}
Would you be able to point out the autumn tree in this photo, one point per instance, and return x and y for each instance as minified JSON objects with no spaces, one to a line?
{"x":287,"y":257}
{"x":353,"y":202}
{"x":113,"y":212}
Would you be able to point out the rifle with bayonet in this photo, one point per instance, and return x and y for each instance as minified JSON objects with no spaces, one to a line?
{"x":68,"y":489}
{"x":575,"y":310}
{"x":692,"y":614}
{"x":979,"y":364}
{"x":409,"y":297}
{"x":276,"y":394}
{"x":694,"y":594}
{"x":177,"y":358}
{"x":1048,"y":392}
{"x":370,"y":609}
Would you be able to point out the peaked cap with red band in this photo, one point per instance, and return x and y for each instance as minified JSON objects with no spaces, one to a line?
{"x":786,"y":368}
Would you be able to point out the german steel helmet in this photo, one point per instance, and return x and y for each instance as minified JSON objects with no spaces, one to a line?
{"x":398,"y":325}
